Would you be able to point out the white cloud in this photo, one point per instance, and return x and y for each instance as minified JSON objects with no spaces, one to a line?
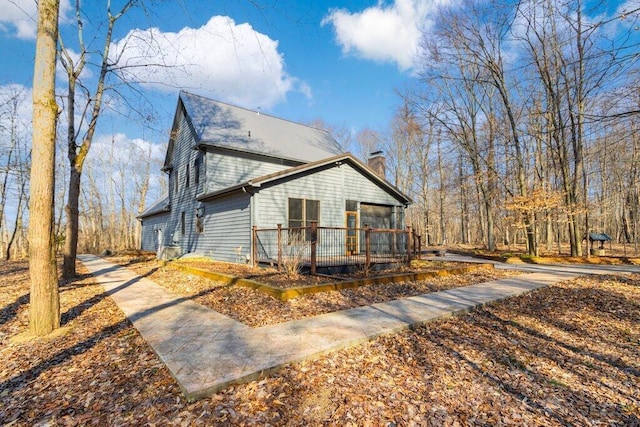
{"x":110,"y":162}
{"x":19,"y":17}
{"x":18,"y":97}
{"x":305,"y":89}
{"x":385,"y":33}
{"x":62,"y":78}
{"x":222,"y":59}
{"x":16,"y":111}
{"x":123,"y":149}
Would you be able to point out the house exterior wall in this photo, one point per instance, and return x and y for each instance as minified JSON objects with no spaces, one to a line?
{"x":227,"y":229}
{"x":224,"y":170}
{"x":227,"y":220}
{"x":332,"y":186}
{"x":359,"y":187}
{"x":151,"y":227}
{"x":181,"y":196}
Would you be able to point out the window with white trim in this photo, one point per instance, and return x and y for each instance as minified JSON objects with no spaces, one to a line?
{"x":301,"y":213}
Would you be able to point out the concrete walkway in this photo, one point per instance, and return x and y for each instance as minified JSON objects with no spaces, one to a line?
{"x":206,"y":351}
{"x":580,"y":269}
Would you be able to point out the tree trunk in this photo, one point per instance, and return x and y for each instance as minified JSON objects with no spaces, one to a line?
{"x":78,"y":152}
{"x":44,"y":310}
{"x":17,"y":229}
{"x":71,"y":211}
{"x":441,"y":194}
{"x":71,"y":208}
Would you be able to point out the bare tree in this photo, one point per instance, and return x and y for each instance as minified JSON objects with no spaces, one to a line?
{"x":44,"y":308}
{"x":18,"y":225}
{"x":14,"y":167}
{"x":406,"y":137}
{"x":368,"y":141}
{"x":513,"y":87}
{"x":465,"y":115}
{"x":341,"y":133}
{"x":77,"y":152}
{"x":576,"y":65}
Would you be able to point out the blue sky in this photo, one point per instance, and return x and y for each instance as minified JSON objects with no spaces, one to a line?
{"x":340,"y":61}
{"x":337,"y":61}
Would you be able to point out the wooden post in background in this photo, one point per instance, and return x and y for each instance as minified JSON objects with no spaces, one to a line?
{"x":409,"y":244}
{"x":314,"y":240}
{"x":254,"y":247}
{"x":279,"y":246}
{"x":367,"y":245}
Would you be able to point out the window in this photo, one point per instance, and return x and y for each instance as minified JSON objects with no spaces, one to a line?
{"x":296,"y":213}
{"x":183,"y":227}
{"x":200,"y":220}
{"x":187,"y":176}
{"x":197,"y":163}
{"x":302,"y":212}
{"x":174,"y":175}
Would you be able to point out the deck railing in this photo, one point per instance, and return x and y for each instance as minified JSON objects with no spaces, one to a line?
{"x":316,"y":246}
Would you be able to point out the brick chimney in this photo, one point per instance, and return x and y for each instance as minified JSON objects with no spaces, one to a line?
{"x":377,"y":162}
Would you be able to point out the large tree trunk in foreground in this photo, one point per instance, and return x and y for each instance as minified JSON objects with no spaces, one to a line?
{"x":44,"y":299}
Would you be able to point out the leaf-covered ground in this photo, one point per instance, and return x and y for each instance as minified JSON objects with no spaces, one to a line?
{"x":255,"y":308}
{"x":564,"y":355}
{"x":271,"y":275}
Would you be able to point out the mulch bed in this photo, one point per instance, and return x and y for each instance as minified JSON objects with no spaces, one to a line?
{"x":255,"y":308}
{"x":568,"y":354}
{"x":279,"y":279}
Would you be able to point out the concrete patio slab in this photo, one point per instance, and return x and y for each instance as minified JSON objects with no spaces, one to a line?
{"x":206,"y":351}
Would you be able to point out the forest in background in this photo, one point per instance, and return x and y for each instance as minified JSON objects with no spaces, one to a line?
{"x":521,"y":128}
{"x":119,"y":179}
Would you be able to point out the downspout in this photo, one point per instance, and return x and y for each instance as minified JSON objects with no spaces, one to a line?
{"x":252,"y":216}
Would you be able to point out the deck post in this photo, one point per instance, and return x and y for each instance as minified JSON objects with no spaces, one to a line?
{"x":367,"y":246}
{"x":394,"y":242}
{"x":419,"y":246}
{"x":254,"y":247}
{"x":409,"y":244}
{"x":314,"y":240}
{"x":279,"y":246}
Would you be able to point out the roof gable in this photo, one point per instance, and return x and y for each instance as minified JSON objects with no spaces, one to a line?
{"x":177,"y":117}
{"x":311,"y":168}
{"x":218,"y":124}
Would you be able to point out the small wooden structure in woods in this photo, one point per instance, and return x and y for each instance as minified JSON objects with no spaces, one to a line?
{"x":598,"y":237}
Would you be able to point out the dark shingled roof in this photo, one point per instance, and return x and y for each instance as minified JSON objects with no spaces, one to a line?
{"x":159,"y":206}
{"x":218,"y":124}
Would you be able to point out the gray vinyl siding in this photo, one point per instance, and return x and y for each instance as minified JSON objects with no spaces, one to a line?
{"x":227,"y":229}
{"x":332,"y":187}
{"x":184,"y":199}
{"x":359,"y":187}
{"x":228,"y":220}
{"x":224,"y":170}
{"x":151,"y":226}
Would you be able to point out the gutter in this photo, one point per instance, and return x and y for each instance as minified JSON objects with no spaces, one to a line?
{"x":236,"y":188}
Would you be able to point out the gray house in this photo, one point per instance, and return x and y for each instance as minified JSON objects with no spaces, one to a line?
{"x":231,"y":169}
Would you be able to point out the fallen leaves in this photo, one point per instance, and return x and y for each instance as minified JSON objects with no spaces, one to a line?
{"x":564,"y":355}
{"x":255,"y":308}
